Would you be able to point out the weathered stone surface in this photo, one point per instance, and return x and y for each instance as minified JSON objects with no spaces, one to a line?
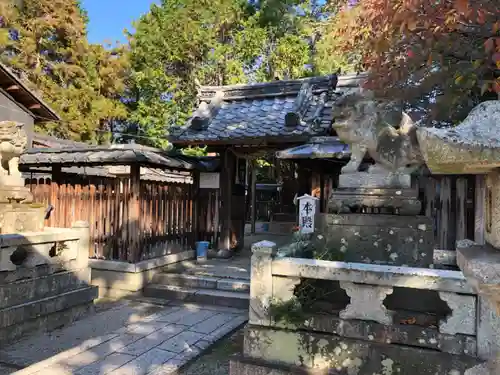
{"x":181,"y":342}
{"x":488,"y":329}
{"x":342,"y":202}
{"x":261,"y":285}
{"x":211,"y":324}
{"x":374,"y":274}
{"x":403,"y":334}
{"x":380,"y":239}
{"x":375,"y":180}
{"x":152,"y":340}
{"x":106,"y":365}
{"x":367,"y":302}
{"x":148,"y":362}
{"x":472,"y":147}
{"x":45,"y":323}
{"x":481,"y":265}
{"x":346,"y":356}
{"x":30,"y":290}
{"x":21,"y":313}
{"x":20,"y":217}
{"x":492,"y":209}
{"x":463,"y":317}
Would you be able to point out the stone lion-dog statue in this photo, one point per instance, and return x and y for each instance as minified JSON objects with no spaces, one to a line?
{"x":13,"y":142}
{"x":378,"y":128}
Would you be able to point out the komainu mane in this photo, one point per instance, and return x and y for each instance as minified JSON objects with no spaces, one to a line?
{"x":378,"y":128}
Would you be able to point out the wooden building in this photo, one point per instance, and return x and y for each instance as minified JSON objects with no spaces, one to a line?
{"x":244,"y":122}
{"x":19,"y":103}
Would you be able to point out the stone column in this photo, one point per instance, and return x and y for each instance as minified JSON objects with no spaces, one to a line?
{"x":261,"y":286}
{"x":481,"y":265}
{"x":82,"y":255}
{"x":367,"y":302}
{"x":463,"y":314}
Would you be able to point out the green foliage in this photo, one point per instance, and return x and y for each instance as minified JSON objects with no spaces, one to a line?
{"x":309,"y":291}
{"x":218,"y":42}
{"x":195,"y":151}
{"x":46,"y":42}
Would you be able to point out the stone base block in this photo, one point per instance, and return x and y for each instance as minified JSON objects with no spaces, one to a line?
{"x":21,"y":217}
{"x":374,"y":180}
{"x":46,"y":314}
{"x":119,"y":279}
{"x":278,"y":350}
{"x":389,"y":201}
{"x":380,"y":239}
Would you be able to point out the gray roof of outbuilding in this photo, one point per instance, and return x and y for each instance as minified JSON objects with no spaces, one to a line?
{"x":113,"y":155}
{"x":251,"y":113}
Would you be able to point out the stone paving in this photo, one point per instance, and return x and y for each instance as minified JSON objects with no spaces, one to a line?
{"x":156,"y":344}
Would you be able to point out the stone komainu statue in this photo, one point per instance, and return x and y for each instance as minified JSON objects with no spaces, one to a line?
{"x":13,"y":142}
{"x":378,"y":128}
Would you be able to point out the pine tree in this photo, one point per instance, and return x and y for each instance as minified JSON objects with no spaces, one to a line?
{"x":45,"y":41}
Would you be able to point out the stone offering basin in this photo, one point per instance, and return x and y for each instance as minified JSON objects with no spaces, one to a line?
{"x":472,"y":147}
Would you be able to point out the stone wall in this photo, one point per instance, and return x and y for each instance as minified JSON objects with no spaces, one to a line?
{"x":116,"y":279}
{"x":44,"y":280}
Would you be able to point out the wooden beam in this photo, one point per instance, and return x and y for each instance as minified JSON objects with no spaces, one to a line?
{"x":12,"y":88}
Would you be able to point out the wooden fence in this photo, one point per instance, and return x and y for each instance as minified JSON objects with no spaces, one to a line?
{"x":450,"y":202}
{"x":165,"y":223}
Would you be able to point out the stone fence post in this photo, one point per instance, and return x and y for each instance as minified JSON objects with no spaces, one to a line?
{"x":83,"y":242}
{"x":481,"y":266}
{"x":261,"y":282}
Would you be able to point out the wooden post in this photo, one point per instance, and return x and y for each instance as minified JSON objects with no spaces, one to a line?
{"x":254,"y":195}
{"x":445,"y":213}
{"x":479,"y":206}
{"x":54,"y":195}
{"x":227,"y":181}
{"x":461,"y":208}
{"x":196,"y":209}
{"x":134,"y":213}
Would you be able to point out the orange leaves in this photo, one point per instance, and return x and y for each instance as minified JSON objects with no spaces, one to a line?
{"x":496,"y":86}
{"x":491,"y":44}
{"x":462,"y":6}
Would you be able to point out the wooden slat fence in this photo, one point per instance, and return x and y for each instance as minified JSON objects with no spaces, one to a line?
{"x":449,"y":201}
{"x":166,"y":222}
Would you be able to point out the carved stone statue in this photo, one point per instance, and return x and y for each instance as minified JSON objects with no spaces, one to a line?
{"x":13,"y":142}
{"x":378,"y":128}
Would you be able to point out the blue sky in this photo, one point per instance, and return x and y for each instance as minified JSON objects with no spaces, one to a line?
{"x":108,"y":18}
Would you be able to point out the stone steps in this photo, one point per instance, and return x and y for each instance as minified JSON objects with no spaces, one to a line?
{"x":210,"y":290}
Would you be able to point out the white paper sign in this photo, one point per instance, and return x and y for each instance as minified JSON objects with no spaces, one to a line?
{"x":307,"y":213}
{"x":209,"y":180}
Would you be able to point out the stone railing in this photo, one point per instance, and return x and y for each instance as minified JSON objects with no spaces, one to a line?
{"x":44,"y":280}
{"x":366,"y":317}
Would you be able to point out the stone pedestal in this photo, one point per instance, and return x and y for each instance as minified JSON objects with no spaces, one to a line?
{"x":374,"y":218}
{"x":375,"y":192}
{"x":18,"y":218}
{"x":17,"y":212}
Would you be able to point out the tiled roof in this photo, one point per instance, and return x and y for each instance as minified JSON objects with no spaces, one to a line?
{"x":254,"y":113}
{"x":113,"y":155}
